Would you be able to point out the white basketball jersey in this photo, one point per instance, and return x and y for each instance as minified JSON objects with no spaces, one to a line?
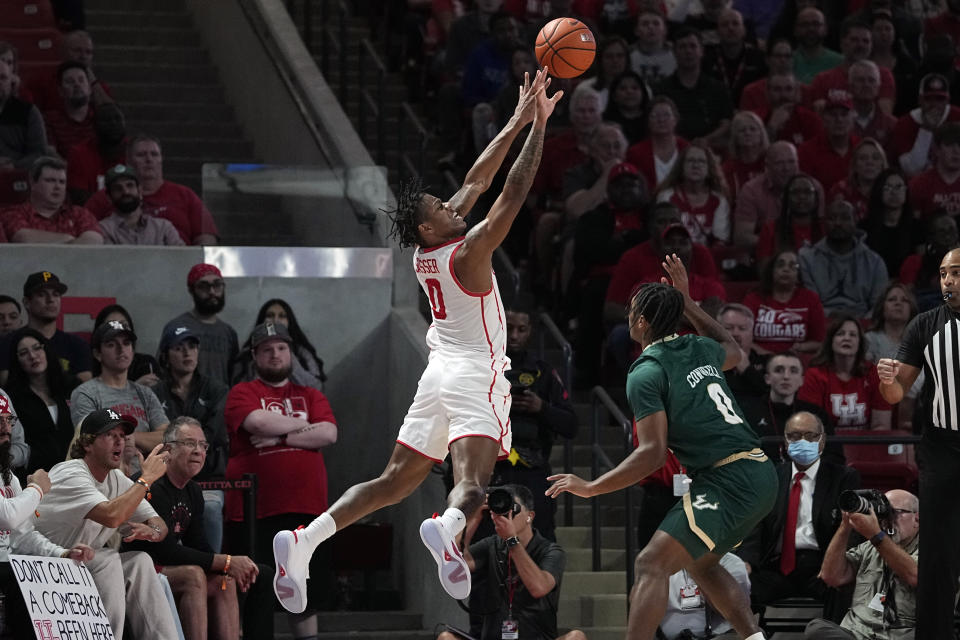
{"x":471,"y":324}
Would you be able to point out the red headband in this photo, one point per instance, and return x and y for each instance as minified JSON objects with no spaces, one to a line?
{"x":200,"y":270}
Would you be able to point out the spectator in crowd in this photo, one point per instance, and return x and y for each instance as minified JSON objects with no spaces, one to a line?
{"x":785,"y":118}
{"x":19,"y":450}
{"x":219,"y":346}
{"x":856,"y":39}
{"x":46,"y":217}
{"x":89,"y":161}
{"x":204,"y":583}
{"x":891,"y":228}
{"x":129,"y":224}
{"x":89,"y":501}
{"x":779,"y":61}
{"x":687,"y":609}
{"x":40,"y":392}
{"x":703,"y":102}
{"x":22,"y":136}
{"x":600,"y":238}
{"x":768,"y":414}
{"x":145,"y":369}
{"x":696,"y":187}
{"x":939,"y":186}
{"x":521,"y":61}
{"x":843,"y":381}
{"x":182,"y":391}
{"x":748,"y":148}
{"x":466,"y":32}
{"x":784,"y":553}
{"x":869,"y":120}
{"x":911,"y":144}
{"x":487,"y":68}
{"x":868,"y":161}
{"x":77,"y":48}
{"x":70,"y":120}
{"x":541,"y":411}
{"x":893,"y":311}
{"x":733,"y":60}
{"x":628,"y":105}
{"x":827,"y":157}
{"x":705,"y":22}
{"x":651,"y":56}
{"x":889,"y":52}
{"x":760,"y":197}
{"x":611,"y":60}
{"x":798,"y":224}
{"x":530,"y":595}
{"x":10,"y":312}
{"x":162,"y":198}
{"x":41,"y":300}
{"x":746,"y":379}
{"x":113,"y":344}
{"x":307,"y":365}
{"x":946,"y":23}
{"x":845,"y":273}
{"x":789,"y":317}
{"x":277,"y":429}
{"x":921,"y":272}
{"x":884,"y":564}
{"x":811,"y":56}
{"x":10,"y":55}
{"x":585,"y":185}
{"x":656,"y":155}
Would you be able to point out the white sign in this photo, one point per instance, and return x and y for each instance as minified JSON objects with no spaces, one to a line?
{"x":61,"y":598}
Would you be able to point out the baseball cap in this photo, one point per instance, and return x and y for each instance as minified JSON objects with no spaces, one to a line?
{"x":197,"y":271}
{"x":43,"y":280}
{"x":269,"y":331}
{"x":622,"y":169}
{"x":102,"y":420}
{"x":5,"y":404}
{"x":174,"y":335}
{"x":934,"y":84}
{"x":109,"y":331}
{"x":675,"y":226}
{"x":120,"y":171}
{"x":838,"y":100}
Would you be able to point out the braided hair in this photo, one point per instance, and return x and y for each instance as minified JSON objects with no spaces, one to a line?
{"x":407,"y":217}
{"x":662,"y":307}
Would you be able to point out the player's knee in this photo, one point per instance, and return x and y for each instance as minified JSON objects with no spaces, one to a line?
{"x":647,"y":563}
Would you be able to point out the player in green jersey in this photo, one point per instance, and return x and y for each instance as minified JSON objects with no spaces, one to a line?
{"x":680,"y":399}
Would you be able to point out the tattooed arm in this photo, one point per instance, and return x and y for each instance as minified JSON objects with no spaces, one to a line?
{"x":473,"y":260}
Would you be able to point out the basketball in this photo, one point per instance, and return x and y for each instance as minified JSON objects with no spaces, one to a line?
{"x":566,"y":46}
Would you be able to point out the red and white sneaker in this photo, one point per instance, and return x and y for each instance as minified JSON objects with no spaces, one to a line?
{"x":293,"y":569}
{"x":453,"y":569}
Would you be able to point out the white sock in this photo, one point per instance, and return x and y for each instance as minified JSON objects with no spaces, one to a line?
{"x":320,"y":529}
{"x":453,"y":521}
{"x":757,"y":636}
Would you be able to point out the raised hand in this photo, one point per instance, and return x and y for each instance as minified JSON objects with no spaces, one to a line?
{"x":156,"y":464}
{"x":888,"y":369}
{"x":545,"y":105}
{"x":678,"y":274}
{"x":41,"y":479}
{"x":527,"y":103}
{"x":567,"y":482}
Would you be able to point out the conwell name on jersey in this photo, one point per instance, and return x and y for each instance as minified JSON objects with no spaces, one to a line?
{"x":427,"y":265}
{"x":775,"y":323}
{"x":698,"y":374}
{"x":293,"y":407}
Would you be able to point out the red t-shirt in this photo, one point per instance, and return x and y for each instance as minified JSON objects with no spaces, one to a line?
{"x":86,"y":166}
{"x":70,"y":219}
{"x":737,"y":173}
{"x":944,"y":24}
{"x":836,"y":79}
{"x":910,"y":268}
{"x":905,"y":133}
{"x":64,"y":133}
{"x":640,"y":155}
{"x":290,"y":480}
{"x":767,"y":242}
{"x":697,"y":219}
{"x":929,"y":192}
{"x":172,"y":201}
{"x":818,"y":159}
{"x":860,"y":202}
{"x":642,"y":264}
{"x":779,"y":325}
{"x":560,"y":152}
{"x":802,"y":125}
{"x":849,"y":404}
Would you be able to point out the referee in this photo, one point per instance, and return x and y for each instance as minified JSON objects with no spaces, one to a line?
{"x":932,"y":342}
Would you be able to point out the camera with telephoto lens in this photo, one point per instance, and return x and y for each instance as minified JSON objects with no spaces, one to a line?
{"x":500,"y":502}
{"x":862,"y":500}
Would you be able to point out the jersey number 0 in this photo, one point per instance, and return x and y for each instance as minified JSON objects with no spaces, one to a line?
{"x":724,"y":404}
{"x":436,"y":298}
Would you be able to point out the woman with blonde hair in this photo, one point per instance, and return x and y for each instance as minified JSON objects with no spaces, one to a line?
{"x":748,"y":150}
{"x":867,"y":163}
{"x":697,"y":188}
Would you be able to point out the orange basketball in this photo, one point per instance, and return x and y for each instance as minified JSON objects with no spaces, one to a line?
{"x":566,"y":46}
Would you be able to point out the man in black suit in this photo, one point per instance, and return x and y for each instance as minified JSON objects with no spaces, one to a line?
{"x":812,"y":485}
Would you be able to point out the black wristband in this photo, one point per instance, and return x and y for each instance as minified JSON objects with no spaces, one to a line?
{"x":512,"y":542}
{"x":878,"y":538}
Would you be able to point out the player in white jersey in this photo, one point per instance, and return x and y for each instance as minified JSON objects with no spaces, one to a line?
{"x":462,"y":403}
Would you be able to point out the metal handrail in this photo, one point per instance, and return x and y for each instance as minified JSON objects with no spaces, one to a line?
{"x":367,"y":99}
{"x":406,"y":166}
{"x":870,"y":438}
{"x":602,"y":401}
{"x":550,"y":328}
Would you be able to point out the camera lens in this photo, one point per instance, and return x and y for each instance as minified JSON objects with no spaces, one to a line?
{"x":500,"y":501}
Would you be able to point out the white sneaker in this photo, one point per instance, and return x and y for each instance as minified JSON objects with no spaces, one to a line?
{"x":453,"y":569}
{"x":293,"y":569}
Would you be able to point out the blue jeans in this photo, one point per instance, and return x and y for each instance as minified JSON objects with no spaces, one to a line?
{"x":213,"y":518}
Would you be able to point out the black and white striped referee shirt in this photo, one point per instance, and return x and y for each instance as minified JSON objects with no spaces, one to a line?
{"x":932,"y":342}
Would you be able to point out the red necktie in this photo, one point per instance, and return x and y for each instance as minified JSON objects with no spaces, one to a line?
{"x":788,"y":555}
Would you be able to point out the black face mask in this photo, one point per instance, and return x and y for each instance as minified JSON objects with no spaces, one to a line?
{"x":127,"y":204}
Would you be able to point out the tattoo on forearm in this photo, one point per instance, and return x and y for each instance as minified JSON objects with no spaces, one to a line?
{"x":524,"y":168}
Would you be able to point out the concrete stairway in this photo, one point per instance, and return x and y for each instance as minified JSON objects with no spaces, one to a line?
{"x":152,"y":58}
{"x":361,"y":625}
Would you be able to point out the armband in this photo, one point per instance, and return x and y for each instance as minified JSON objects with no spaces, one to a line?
{"x":878,"y":538}
{"x":143,"y":483}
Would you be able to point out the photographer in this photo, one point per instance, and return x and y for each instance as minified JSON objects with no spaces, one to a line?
{"x":884,"y":568}
{"x":518,"y":570}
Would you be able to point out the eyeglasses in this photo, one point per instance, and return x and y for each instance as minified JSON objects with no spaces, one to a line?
{"x":207,"y":287}
{"x":193,"y":444}
{"x":802,"y":191}
{"x":796,"y":436}
{"x":10,"y":421}
{"x":793,"y":266}
{"x":894,"y":187}
{"x":22,"y":353}
{"x":900,"y":512}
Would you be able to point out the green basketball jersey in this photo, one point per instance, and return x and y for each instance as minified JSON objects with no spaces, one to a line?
{"x":683,"y":376}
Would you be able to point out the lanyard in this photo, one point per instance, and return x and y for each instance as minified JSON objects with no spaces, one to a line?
{"x":511,"y":585}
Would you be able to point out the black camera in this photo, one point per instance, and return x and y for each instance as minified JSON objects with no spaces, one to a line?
{"x":862,"y":500}
{"x":501,"y":503}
